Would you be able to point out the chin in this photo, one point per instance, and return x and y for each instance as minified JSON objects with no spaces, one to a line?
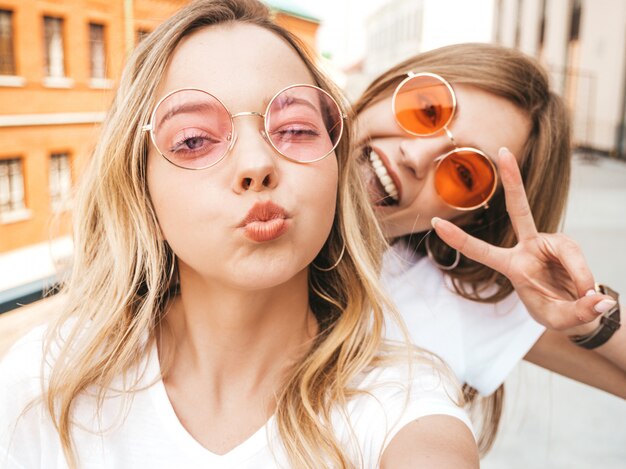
{"x":395,"y":228}
{"x":266,"y":279}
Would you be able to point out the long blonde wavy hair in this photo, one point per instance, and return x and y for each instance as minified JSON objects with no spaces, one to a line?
{"x":123,"y":270}
{"x":544,"y":165}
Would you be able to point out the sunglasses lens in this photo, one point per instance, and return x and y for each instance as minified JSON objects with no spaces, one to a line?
{"x":304,"y":123}
{"x":192,"y":129}
{"x":423,"y":104}
{"x":465,"y":179}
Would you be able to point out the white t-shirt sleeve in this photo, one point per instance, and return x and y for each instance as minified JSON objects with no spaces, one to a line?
{"x":496,"y":337}
{"x":396,"y":397}
{"x":481,"y":342}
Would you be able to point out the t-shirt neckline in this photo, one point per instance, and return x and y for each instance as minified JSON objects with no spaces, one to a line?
{"x":184,"y":440}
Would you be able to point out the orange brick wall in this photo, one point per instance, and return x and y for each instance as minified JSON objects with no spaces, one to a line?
{"x":304,"y":29}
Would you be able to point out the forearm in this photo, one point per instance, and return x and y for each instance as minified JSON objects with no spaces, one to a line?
{"x":556,"y":352}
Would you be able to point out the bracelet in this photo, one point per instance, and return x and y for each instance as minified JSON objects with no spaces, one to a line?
{"x":609,"y":323}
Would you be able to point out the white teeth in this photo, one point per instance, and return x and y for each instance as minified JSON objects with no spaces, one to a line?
{"x":383,"y":175}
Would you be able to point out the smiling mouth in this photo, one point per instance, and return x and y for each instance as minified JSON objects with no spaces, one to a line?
{"x":381,"y":188}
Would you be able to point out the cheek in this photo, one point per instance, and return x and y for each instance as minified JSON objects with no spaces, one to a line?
{"x":162,"y":193}
{"x":321,"y":198}
{"x":181,"y":203}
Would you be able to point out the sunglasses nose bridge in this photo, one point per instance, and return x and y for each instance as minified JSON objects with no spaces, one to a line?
{"x":450,"y":136}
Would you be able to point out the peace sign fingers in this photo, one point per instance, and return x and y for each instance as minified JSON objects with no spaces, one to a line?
{"x":515,"y":194}
{"x":494,"y":257}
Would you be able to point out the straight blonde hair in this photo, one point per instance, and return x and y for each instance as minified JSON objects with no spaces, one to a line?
{"x":123,"y":270}
{"x":544,"y":165}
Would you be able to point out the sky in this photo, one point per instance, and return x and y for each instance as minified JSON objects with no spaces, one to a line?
{"x":342,"y":33}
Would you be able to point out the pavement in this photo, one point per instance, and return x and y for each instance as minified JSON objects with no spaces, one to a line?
{"x":552,"y":422}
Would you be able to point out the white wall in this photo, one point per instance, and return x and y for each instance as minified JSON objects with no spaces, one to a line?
{"x":600,"y":65}
{"x":603,"y":36}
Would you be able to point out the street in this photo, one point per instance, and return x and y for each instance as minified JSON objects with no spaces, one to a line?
{"x":551,"y":422}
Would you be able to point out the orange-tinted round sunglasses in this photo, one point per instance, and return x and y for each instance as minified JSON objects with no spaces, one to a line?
{"x":423,"y":105}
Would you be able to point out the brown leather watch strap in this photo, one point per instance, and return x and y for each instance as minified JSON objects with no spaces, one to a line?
{"x":609,"y":323}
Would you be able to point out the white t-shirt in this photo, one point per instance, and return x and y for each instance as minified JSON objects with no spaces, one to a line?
{"x":151,"y":435}
{"x":481,"y":342}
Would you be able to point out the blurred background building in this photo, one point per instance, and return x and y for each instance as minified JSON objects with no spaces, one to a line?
{"x":582,"y":44}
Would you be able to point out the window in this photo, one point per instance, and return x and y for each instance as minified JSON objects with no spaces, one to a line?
{"x":60,"y":181}
{"x":7,"y":58}
{"x":97,"y":50}
{"x":574,"y":28}
{"x":498,"y":22}
{"x":518,"y":24}
{"x":542,"y":28}
{"x":141,"y":34}
{"x":53,"y":47}
{"x":11,"y":186}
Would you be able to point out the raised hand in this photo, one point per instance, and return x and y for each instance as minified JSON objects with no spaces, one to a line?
{"x":547,"y":270}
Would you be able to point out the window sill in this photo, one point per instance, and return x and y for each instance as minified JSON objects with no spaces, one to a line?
{"x":101,"y":83}
{"x":12,"y":81}
{"x":58,"y":82}
{"x":15,"y":216}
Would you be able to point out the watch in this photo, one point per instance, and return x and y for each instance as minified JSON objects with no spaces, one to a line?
{"x":609,"y":323}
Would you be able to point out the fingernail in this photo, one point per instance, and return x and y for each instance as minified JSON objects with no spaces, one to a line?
{"x":591,"y":292}
{"x":503,"y":151}
{"x":604,"y":306}
{"x":434,"y":221}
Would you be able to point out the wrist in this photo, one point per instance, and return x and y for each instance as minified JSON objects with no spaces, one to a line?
{"x":583,"y":329}
{"x":609,"y":323}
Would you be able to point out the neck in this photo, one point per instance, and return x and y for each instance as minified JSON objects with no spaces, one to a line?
{"x":228,"y":336}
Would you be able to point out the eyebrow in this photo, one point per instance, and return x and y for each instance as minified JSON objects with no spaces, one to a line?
{"x":185,"y":108}
{"x":291,"y":100}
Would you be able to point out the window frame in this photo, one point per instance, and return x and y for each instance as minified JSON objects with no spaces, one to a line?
{"x":60,"y":198}
{"x":11,"y":58}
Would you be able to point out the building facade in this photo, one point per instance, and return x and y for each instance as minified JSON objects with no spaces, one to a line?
{"x":583,"y":45}
{"x":400,"y":29}
{"x":59,"y":61}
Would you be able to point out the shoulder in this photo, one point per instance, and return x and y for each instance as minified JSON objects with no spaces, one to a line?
{"x":439,"y":441}
{"x":23,"y":374}
{"x":21,"y":387}
{"x":389,"y":397}
{"x":24,"y":359}
{"x":407,"y":391}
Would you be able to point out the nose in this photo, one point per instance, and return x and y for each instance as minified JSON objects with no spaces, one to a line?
{"x":256,"y":164}
{"x":417,"y":154}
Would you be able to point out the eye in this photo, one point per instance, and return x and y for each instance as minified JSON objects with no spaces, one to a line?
{"x":465,"y":176}
{"x":193,"y":141}
{"x":428,"y":111}
{"x":296,"y":132}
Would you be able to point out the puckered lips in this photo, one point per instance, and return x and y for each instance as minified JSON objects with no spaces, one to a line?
{"x":381,"y":182}
{"x":265,"y":221}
